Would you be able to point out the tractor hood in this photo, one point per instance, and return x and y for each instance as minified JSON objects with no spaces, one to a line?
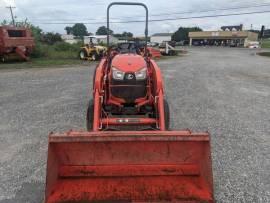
{"x":128,"y":62}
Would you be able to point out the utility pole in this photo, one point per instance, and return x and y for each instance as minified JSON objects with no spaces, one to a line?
{"x":11,"y":13}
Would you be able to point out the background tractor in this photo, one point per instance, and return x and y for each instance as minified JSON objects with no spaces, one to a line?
{"x":92,"y":52}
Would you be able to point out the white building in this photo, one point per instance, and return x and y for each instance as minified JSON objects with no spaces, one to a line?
{"x":69,"y":39}
{"x":161,"y":37}
{"x":96,"y":39}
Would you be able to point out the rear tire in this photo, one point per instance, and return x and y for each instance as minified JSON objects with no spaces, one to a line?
{"x":172,"y":53}
{"x":166,"y":114}
{"x":90,"y":116}
{"x":94,"y":56}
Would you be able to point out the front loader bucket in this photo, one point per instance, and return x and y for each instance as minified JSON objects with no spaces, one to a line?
{"x":140,"y":166}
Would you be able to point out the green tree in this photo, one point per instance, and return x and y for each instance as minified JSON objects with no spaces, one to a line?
{"x":124,"y":34}
{"x":68,"y":30}
{"x":4,"y":22}
{"x":127,"y":34}
{"x":79,"y":30}
{"x":182,"y":33}
{"x":24,"y":23}
{"x":51,"y":38}
{"x":36,"y":32}
{"x":117,"y":35}
{"x":103,"y":31}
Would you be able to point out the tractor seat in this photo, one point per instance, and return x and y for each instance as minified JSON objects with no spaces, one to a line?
{"x":124,"y":48}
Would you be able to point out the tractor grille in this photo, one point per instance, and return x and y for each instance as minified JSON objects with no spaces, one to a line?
{"x":129,"y":89}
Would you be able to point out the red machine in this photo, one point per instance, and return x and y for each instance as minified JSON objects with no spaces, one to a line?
{"x":15,"y":41}
{"x":155,"y":53}
{"x":147,"y":163}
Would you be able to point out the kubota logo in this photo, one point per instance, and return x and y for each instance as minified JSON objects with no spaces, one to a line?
{"x":129,"y":76}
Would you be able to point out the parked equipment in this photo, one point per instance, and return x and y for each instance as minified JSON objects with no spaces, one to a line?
{"x":147,"y":163}
{"x":92,"y":52}
{"x":154,"y":52}
{"x":167,"y":49}
{"x":15,"y":41}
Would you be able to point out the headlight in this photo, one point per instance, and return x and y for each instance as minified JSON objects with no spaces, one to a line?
{"x":117,"y":74}
{"x":141,"y":74}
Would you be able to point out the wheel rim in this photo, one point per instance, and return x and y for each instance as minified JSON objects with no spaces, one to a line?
{"x":82,"y":55}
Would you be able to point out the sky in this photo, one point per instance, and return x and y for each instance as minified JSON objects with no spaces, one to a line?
{"x":55,"y":15}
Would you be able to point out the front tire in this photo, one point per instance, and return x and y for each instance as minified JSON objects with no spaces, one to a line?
{"x":166,"y":114}
{"x":82,"y":55}
{"x":3,"y":59}
{"x":90,"y":116}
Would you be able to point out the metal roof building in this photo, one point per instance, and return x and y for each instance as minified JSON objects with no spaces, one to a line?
{"x":238,"y":38}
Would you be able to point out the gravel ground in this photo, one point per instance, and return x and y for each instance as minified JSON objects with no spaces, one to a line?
{"x":223,"y":91}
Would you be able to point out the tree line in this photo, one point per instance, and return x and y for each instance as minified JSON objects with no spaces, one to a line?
{"x":79,"y":29}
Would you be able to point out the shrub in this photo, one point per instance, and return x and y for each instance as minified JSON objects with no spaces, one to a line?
{"x":60,"y":50}
{"x":266,"y":43}
{"x":63,"y":46}
{"x":264,"y":54}
{"x":40,"y":50}
{"x":51,"y":38}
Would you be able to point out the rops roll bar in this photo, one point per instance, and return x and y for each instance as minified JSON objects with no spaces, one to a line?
{"x":126,"y":4}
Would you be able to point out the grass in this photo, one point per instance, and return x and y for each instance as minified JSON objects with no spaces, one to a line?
{"x":60,"y":62}
{"x":266,"y":43}
{"x":45,"y":55}
{"x":168,"y":57}
{"x":56,"y":55}
{"x":267,"y":54}
{"x":55,"y":62}
{"x":41,"y":63}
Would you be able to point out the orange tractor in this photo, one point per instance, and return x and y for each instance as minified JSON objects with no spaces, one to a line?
{"x":128,"y":153}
